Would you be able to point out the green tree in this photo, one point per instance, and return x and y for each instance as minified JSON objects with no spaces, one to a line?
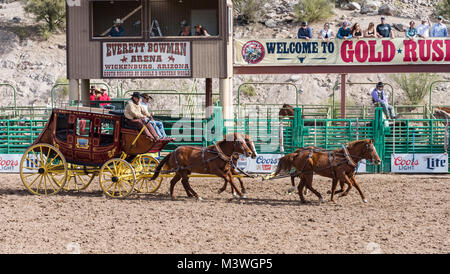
{"x":313,"y":10}
{"x":53,"y":12}
{"x":416,"y":85}
{"x":443,"y":8}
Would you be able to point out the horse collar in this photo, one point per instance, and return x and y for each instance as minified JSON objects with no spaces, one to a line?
{"x":347,"y":156}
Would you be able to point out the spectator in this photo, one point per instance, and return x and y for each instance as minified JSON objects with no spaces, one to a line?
{"x":200,"y":31}
{"x":423,"y":30}
{"x":384,"y":30}
{"x":326,"y":33}
{"x":136,"y":115}
{"x":92,"y":93}
{"x":186,"y":31}
{"x":411,"y":32}
{"x":379,"y":97}
{"x":157,"y":125}
{"x":370,"y":31}
{"x":439,"y":29}
{"x":104,"y":97}
{"x":116,"y":30}
{"x":304,"y":32}
{"x":357,"y":31}
{"x":344,"y":32}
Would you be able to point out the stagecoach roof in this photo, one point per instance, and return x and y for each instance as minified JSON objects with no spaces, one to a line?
{"x":87,"y":109}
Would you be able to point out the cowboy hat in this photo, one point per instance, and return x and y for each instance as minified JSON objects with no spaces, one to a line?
{"x":118,"y":21}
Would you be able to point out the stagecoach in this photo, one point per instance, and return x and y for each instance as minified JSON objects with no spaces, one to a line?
{"x":79,"y":144}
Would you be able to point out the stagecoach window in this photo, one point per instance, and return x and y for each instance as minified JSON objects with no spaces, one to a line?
{"x":107,"y":132}
{"x":83,"y":127}
{"x":172,"y":17}
{"x":117,"y":19}
{"x":62,"y":124}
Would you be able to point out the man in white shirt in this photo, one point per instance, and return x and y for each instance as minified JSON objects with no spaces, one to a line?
{"x":423,"y":30}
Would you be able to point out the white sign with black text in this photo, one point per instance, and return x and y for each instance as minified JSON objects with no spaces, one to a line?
{"x":419,"y":163}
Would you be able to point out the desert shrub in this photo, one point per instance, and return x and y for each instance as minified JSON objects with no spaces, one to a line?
{"x":415,"y":85}
{"x":63,"y":90}
{"x":53,"y":12}
{"x":248,"y":11}
{"x":313,"y":10}
{"x":248,"y":90}
{"x":443,"y":8}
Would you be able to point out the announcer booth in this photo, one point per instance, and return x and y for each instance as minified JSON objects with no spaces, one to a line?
{"x":125,"y":39}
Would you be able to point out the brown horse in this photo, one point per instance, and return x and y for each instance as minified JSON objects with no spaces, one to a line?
{"x":249,"y":142}
{"x":286,"y":111}
{"x":215,"y":159}
{"x":340,"y":165}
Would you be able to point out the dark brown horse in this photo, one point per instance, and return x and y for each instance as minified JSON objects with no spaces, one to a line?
{"x":215,"y":159}
{"x":340,"y":165}
{"x":286,"y":111}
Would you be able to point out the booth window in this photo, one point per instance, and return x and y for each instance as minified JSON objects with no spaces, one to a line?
{"x":117,"y":19}
{"x":177,"y":17}
{"x":62,"y":125}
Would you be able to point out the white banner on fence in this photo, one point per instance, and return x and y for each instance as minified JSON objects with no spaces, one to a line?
{"x":419,"y":163}
{"x":264,"y":163}
{"x":267,"y":163}
{"x":10,"y":163}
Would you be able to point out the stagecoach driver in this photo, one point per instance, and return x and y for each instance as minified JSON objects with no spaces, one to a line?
{"x":138,"y":115}
{"x":379,"y":97}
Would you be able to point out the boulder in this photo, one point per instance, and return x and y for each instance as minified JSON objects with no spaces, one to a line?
{"x":270,"y":23}
{"x":399,"y":27}
{"x":353,"y":6}
{"x":385,"y":10}
{"x":370,"y":7}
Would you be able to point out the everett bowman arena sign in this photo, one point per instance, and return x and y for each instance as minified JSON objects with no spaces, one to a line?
{"x":146,"y":59}
{"x":342,"y":52}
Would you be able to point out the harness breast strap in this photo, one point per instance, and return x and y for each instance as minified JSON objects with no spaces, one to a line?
{"x":347,"y":156}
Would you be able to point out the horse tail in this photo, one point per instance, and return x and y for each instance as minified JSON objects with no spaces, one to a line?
{"x":160,"y":166}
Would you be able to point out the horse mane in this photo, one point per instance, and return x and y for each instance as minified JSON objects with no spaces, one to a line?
{"x":357,"y":142}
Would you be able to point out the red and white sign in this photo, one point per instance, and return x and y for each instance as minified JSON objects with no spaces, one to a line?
{"x":419,"y":163}
{"x":9,"y":163}
{"x":264,"y":163}
{"x":146,"y":60}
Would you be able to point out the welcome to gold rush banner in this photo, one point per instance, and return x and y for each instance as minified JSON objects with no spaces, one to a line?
{"x":296,"y":52}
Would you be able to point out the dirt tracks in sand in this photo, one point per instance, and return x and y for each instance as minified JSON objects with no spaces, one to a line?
{"x":405,"y":214}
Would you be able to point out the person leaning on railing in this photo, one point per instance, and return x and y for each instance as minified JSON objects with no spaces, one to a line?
{"x":439,"y":29}
{"x":136,"y":116}
{"x":411,"y":32}
{"x":304,"y":32}
{"x":344,"y":32}
{"x":379,"y":98}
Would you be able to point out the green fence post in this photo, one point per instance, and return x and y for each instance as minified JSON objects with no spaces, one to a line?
{"x":298,"y":129}
{"x":378,"y":134}
{"x":218,"y":125}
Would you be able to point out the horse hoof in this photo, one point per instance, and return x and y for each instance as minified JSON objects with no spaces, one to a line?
{"x":320,"y":200}
{"x":220,"y":191}
{"x":291,"y":190}
{"x":244,"y":192}
{"x":365,"y":201}
{"x":236,"y":196}
{"x":244,"y":196}
{"x":199,"y":199}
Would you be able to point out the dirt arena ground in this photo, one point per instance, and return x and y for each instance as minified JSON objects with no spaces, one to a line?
{"x":405,"y":214}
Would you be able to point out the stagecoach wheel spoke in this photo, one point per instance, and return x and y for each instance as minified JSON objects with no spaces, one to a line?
{"x":114,"y":174}
{"x":146,"y":164}
{"x":45,"y":170}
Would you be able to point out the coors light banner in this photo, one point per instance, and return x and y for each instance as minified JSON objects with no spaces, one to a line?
{"x":419,"y":163}
{"x":290,"y":52}
{"x":146,"y":60}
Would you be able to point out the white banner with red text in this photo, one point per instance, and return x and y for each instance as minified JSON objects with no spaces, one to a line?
{"x":267,"y":163}
{"x":419,"y":163}
{"x":10,"y":163}
{"x":146,"y":59}
{"x":297,"y":52}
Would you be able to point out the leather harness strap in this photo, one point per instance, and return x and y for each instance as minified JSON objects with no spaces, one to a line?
{"x":347,"y":156}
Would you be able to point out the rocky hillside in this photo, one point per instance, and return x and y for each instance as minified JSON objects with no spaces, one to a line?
{"x":34,"y":65}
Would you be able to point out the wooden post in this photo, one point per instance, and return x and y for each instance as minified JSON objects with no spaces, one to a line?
{"x":343,"y":80}
{"x":208,"y":99}
{"x":85,"y":85}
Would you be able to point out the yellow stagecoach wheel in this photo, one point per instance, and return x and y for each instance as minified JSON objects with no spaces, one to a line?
{"x":43,"y":169}
{"x":117,"y":178}
{"x":145,"y":166}
{"x":77,"y":178}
